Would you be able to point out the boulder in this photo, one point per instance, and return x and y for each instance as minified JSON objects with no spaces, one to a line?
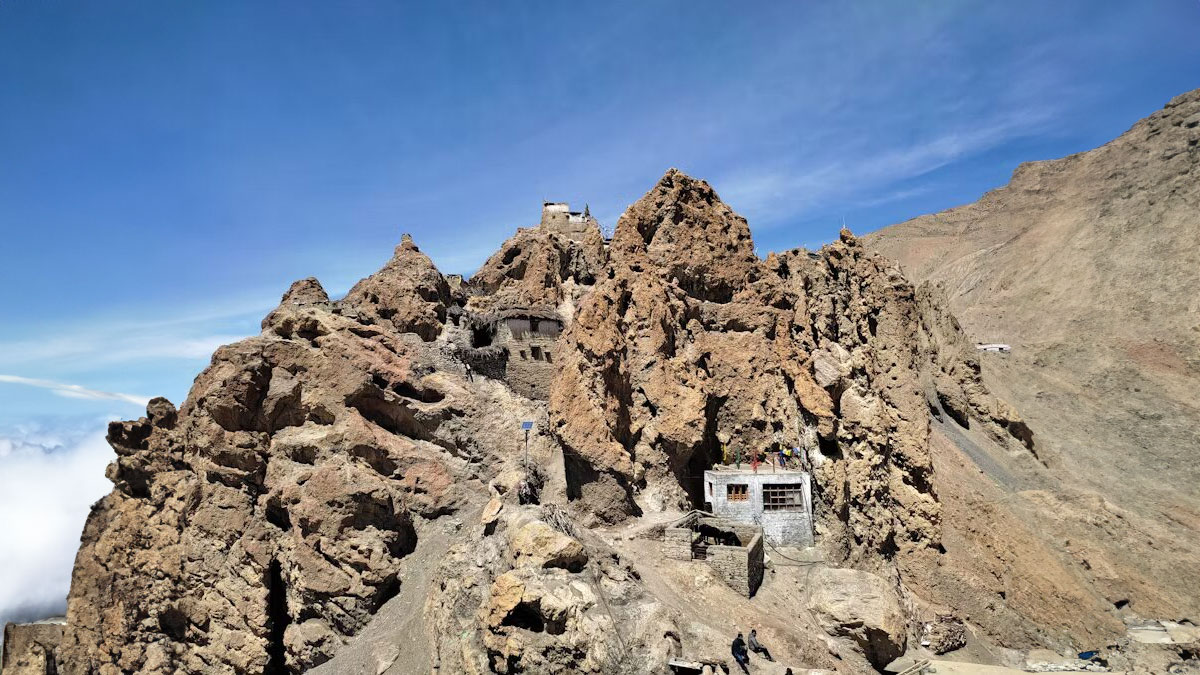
{"x":831,"y":363}
{"x":862,"y":607}
{"x":507,"y":591}
{"x":491,"y":512}
{"x":537,"y":544}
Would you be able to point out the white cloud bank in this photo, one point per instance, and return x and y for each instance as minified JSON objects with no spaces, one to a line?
{"x":75,"y":390}
{"x":48,"y":483}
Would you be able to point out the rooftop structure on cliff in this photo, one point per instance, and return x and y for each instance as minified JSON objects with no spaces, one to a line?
{"x":559,"y":218}
{"x":514,"y":317}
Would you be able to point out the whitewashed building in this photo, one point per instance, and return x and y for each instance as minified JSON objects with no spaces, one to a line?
{"x":779,"y":501}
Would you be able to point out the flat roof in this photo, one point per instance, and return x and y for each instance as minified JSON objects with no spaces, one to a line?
{"x":763,"y":469}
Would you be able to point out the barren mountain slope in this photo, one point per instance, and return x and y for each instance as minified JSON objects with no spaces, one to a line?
{"x":1089,"y":266}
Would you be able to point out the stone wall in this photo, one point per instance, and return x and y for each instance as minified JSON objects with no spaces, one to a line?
{"x":529,"y":368}
{"x":514,"y":347}
{"x":754,"y":563}
{"x":739,"y":566}
{"x":677,"y":539}
{"x":558,"y":218}
{"x":29,"y":648}
{"x":491,"y":362}
{"x":677,"y":543}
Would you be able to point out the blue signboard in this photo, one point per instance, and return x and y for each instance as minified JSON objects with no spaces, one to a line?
{"x":526,"y":425}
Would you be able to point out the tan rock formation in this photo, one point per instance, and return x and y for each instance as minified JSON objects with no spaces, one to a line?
{"x":341,"y":469}
{"x":1087,"y":267}
{"x":264,"y":522}
{"x":862,"y":607}
{"x":675,"y":356}
{"x":545,"y":602}
{"x":409,"y":293}
{"x":538,"y":267}
{"x":539,"y":545}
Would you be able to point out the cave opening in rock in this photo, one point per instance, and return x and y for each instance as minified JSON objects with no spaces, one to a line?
{"x":482,"y":336}
{"x":277,"y":620}
{"x":511,"y":255}
{"x":173,"y":622}
{"x":527,"y":615}
{"x":829,"y":447}
{"x":394,"y":416}
{"x":422,"y":394}
{"x":277,"y":514}
{"x":389,"y":589}
{"x":705,"y":456}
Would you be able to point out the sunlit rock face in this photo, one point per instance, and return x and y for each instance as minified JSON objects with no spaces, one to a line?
{"x":314,"y":469}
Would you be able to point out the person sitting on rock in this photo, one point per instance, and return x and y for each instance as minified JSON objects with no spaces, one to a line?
{"x":756,"y":646}
{"x":739,"y":653}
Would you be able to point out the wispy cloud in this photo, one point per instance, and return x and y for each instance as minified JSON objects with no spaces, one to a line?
{"x":121,"y":356}
{"x":120,"y":337}
{"x":106,"y":346}
{"x":75,"y":390}
{"x":863,"y":172}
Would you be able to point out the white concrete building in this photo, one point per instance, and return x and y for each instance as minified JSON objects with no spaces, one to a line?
{"x":993,"y":347}
{"x":779,"y":501}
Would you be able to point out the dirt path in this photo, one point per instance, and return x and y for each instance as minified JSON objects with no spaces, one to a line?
{"x":715,"y":613}
{"x":397,"y":641}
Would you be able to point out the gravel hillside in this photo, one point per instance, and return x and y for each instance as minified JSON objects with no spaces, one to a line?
{"x":1089,"y":266}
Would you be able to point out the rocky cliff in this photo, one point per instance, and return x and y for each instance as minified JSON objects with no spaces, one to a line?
{"x":1088,"y":267}
{"x":343,"y":492}
{"x":691,"y":344}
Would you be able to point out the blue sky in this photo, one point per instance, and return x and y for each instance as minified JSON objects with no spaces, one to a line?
{"x":167,"y":169}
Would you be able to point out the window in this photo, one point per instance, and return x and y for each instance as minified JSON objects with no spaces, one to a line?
{"x":548,"y":359}
{"x":522,"y":354}
{"x":783,"y":498}
{"x":536,"y":352}
{"x":737,"y":492}
{"x":533,"y":325}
